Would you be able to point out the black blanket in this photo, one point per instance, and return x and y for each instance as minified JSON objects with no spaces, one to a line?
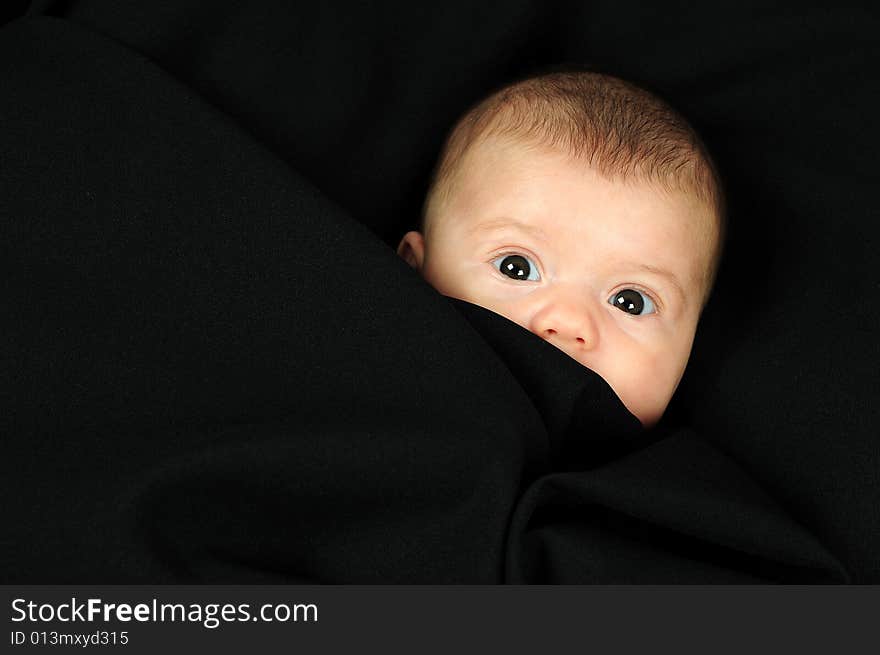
{"x":215,"y":368}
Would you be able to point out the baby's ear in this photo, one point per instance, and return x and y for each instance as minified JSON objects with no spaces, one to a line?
{"x":412,"y":249}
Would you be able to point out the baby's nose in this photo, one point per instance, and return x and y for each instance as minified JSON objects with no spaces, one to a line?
{"x":566,"y":325}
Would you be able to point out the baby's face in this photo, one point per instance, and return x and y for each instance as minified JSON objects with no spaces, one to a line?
{"x":611,"y":273}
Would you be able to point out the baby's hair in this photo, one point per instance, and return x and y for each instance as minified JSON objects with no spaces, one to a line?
{"x":620,"y":130}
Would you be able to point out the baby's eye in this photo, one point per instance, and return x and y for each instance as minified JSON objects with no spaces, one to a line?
{"x":632,"y":302}
{"x":517,"y":267}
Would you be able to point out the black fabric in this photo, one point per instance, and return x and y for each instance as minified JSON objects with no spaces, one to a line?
{"x":216,"y":369}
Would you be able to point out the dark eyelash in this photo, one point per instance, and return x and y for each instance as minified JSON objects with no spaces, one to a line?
{"x":527,"y":255}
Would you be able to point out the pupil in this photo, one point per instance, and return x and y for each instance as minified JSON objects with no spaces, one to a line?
{"x":516,"y":267}
{"x":630,"y":301}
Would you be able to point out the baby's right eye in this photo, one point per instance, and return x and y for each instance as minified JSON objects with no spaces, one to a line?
{"x":517,"y":267}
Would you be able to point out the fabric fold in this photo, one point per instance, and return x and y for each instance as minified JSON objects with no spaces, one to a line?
{"x":676,"y":512}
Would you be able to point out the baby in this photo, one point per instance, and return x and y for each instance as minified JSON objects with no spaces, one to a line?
{"x":588,"y":211}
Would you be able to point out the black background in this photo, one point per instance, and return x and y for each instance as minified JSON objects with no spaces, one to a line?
{"x":215,"y":369}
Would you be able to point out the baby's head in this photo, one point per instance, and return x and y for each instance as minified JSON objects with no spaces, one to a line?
{"x":588,"y":211}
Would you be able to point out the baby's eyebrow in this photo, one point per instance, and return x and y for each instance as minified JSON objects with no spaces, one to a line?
{"x":662,"y":272}
{"x":500,"y":223}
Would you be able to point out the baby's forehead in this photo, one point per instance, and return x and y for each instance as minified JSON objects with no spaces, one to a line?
{"x":506,"y":167}
{"x":505,"y":162}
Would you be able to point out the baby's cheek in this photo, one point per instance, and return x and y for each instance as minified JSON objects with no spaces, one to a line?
{"x":445,"y":274}
{"x":434,"y":275}
{"x":448,"y":280}
{"x":644,"y":379}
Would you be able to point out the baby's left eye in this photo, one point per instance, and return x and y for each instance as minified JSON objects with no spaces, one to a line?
{"x":517,"y":267}
{"x":632,"y":302}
